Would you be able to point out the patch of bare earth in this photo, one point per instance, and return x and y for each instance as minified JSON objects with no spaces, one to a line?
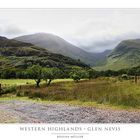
{"x":30,"y":112}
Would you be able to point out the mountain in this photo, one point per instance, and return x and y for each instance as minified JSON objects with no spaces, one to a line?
{"x":125,"y":55}
{"x":58,"y":45}
{"x":101,"y":57}
{"x":17,"y":54}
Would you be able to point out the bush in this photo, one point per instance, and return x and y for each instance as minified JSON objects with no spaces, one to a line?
{"x":125,"y":76}
{"x":77,"y":73}
{"x":9,"y":90}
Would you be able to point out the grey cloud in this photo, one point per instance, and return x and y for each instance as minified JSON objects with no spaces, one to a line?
{"x":12,"y":29}
{"x":101,"y":45}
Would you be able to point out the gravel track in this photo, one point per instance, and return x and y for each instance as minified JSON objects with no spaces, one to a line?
{"x":29,"y":112}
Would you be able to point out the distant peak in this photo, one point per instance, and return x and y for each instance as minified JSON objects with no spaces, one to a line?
{"x":43,"y":33}
{"x":3,"y":38}
{"x":131,"y":40}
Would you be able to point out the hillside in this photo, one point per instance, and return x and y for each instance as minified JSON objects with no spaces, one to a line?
{"x":101,"y":57}
{"x":16,"y":54}
{"x":58,"y":45}
{"x":125,"y":55}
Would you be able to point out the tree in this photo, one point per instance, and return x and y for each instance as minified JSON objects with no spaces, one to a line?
{"x":125,"y":76}
{"x":36,"y":73}
{"x":8,"y":73}
{"x":78,"y":73}
{"x":92,"y":74}
{"x":22,"y":74}
{"x":50,"y":74}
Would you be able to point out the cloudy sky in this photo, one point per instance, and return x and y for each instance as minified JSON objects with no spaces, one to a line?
{"x":94,"y":30}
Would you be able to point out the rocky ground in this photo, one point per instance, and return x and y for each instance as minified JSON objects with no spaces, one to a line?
{"x":30,"y":112}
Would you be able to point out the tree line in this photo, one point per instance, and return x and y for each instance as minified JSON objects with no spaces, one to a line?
{"x":39,"y":73}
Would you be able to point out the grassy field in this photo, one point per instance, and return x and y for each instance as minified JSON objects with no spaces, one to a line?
{"x":17,"y":82}
{"x":103,"y":91}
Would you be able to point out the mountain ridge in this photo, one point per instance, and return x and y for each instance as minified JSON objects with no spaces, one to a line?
{"x":19,"y":54}
{"x":56,"y":44}
{"x":125,"y":55}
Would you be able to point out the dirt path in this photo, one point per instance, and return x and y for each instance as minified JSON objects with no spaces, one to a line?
{"x":29,"y":112}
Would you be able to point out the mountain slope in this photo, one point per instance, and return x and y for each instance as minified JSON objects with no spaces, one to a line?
{"x":58,"y":45}
{"x":125,"y":55}
{"x":16,"y":54}
{"x":101,"y":57}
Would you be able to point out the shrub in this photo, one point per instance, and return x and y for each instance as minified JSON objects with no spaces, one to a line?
{"x":125,"y":76}
{"x":77,"y":73}
{"x":7,"y":90}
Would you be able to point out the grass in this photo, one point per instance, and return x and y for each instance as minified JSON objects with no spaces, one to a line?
{"x":101,"y":91}
{"x":17,"y":82}
{"x":72,"y":103}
